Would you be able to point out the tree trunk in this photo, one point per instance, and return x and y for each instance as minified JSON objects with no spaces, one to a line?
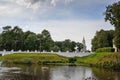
{"x":118,"y":50}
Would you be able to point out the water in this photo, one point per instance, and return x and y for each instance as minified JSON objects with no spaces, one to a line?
{"x":38,"y":72}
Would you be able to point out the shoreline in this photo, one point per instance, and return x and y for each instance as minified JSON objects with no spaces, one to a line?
{"x":107,"y":60}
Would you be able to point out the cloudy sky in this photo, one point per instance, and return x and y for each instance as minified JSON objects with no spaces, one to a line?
{"x":65,"y":19}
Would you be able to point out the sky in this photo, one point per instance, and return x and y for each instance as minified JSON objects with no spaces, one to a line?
{"x":64,"y":19}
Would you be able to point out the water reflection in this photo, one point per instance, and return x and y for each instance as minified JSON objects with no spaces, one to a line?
{"x":105,"y":74}
{"x":37,"y":72}
{"x":71,"y":73}
{"x":24,"y":72}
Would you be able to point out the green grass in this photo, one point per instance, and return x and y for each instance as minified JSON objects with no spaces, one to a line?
{"x":93,"y":58}
{"x":33,"y":58}
{"x":103,"y":59}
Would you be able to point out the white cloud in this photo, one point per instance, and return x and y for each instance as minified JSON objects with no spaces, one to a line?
{"x":32,"y":4}
{"x":9,"y":10}
{"x":40,"y":6}
{"x":53,"y":2}
{"x":23,"y":10}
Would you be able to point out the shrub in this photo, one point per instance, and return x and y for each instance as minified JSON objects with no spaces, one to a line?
{"x":105,"y":49}
{"x":27,"y":61}
{"x":6,"y":61}
{"x":72,"y":60}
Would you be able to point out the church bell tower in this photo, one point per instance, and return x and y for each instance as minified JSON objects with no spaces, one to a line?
{"x":84,"y":45}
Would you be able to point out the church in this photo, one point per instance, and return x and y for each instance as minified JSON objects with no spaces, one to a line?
{"x":84,"y":49}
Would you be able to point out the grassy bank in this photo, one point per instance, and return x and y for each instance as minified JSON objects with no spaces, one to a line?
{"x":104,"y":59}
{"x":33,"y":58}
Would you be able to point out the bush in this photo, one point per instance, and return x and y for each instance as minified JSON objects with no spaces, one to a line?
{"x":105,"y":49}
{"x":72,"y":60}
{"x":26,"y":61}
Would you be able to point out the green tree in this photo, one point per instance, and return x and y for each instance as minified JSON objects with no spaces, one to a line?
{"x":30,"y":42}
{"x":47,"y":41}
{"x":1,"y":42}
{"x":7,"y":29}
{"x":66,"y":46}
{"x":79,"y":45}
{"x":7,"y":38}
{"x":17,"y":35}
{"x":55,"y":48}
{"x":112,"y":14}
{"x":40,"y":42}
{"x":25,"y":36}
{"x":15,"y":39}
{"x":102,"y":39}
{"x":59,"y":44}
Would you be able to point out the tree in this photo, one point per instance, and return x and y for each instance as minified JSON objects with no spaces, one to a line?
{"x":17,"y":35}
{"x":7,"y":29}
{"x":15,"y":39}
{"x":59,"y":44}
{"x":30,"y":42}
{"x":25,"y":36}
{"x":112,"y":15}
{"x":102,"y":39}
{"x":6,"y":38}
{"x":79,"y":45}
{"x":1,"y":42}
{"x":47,"y":41}
{"x":55,"y":48}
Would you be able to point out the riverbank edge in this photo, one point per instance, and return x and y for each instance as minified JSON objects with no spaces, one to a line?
{"x":109,"y":60}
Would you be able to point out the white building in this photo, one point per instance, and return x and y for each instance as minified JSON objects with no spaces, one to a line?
{"x":84,"y":49}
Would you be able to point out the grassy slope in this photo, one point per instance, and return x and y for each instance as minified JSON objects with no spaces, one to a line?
{"x":106,"y":59}
{"x":33,"y":58}
{"x":94,"y":58}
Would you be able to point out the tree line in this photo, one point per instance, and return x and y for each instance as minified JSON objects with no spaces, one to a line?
{"x":105,"y":38}
{"x":16,"y":39}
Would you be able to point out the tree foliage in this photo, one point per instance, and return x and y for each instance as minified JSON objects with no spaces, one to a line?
{"x":102,"y":39}
{"x":112,"y":15}
{"x":16,"y":39}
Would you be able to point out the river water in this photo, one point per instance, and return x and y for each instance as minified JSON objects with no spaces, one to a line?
{"x":38,"y":72}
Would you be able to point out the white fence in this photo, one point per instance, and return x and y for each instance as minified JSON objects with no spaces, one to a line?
{"x":67,"y":54}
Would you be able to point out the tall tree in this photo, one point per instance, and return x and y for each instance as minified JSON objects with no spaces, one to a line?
{"x":102,"y":39}
{"x":30,"y":42}
{"x":17,"y":35}
{"x":47,"y":40}
{"x":112,"y":15}
{"x":7,"y":38}
{"x":25,"y":36}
